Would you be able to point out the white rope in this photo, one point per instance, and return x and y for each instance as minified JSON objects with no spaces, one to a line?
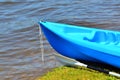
{"x":41,"y":43}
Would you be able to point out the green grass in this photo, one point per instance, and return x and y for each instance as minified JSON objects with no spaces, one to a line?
{"x":72,"y":73}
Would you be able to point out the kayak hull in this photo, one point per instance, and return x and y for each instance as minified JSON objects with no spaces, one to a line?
{"x":68,"y":43}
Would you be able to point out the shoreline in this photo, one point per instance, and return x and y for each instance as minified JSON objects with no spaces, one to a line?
{"x":75,"y":73}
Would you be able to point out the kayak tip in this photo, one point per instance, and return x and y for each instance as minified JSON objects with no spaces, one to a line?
{"x":42,"y":21}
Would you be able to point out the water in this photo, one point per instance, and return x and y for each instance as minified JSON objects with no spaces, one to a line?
{"x":20,"y":55}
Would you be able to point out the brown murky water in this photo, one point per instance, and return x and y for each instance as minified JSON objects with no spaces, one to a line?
{"x":20,"y":56}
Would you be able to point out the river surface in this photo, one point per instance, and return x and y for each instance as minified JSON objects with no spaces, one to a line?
{"x":20,"y":55}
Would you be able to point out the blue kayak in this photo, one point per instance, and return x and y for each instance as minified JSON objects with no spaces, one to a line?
{"x":83,"y":43}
